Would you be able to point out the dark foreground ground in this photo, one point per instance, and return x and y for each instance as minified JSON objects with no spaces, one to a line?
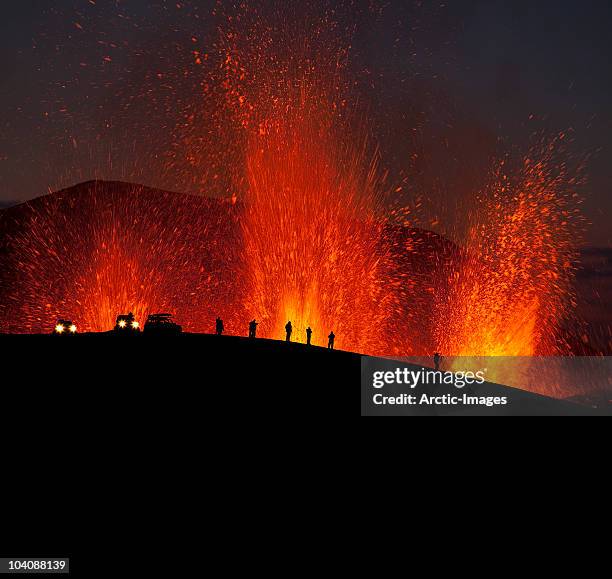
{"x":123,"y":430}
{"x":193,"y":377}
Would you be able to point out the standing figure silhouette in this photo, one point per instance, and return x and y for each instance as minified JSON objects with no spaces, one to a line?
{"x":253,"y":329}
{"x":309,"y":336}
{"x":289,"y":330}
{"x":437,"y":361}
{"x":219,"y":327}
{"x":332,"y":341}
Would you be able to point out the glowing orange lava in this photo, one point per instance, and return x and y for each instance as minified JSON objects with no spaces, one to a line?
{"x":314,"y":252}
{"x":101,"y":249}
{"x":305,"y":235}
{"x":311,"y":239}
{"x":514,"y":288}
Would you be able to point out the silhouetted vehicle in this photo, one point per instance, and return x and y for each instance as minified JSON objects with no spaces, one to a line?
{"x":437,"y":361}
{"x":289,"y":330}
{"x":219,"y":327}
{"x":162,"y":324}
{"x":127,"y":325}
{"x":308,"y":336}
{"x":64,"y":328}
{"x":332,"y":341}
{"x":253,"y":329}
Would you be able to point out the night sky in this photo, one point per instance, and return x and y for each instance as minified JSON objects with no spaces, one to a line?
{"x":78,"y":101}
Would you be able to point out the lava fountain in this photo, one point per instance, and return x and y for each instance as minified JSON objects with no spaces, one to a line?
{"x":514,"y":288}
{"x":102,"y":249}
{"x":314,"y":251}
{"x":311,"y":237}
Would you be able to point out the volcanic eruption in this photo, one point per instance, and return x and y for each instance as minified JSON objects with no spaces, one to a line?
{"x":513,"y":291}
{"x":101,"y":249}
{"x":305,"y":227}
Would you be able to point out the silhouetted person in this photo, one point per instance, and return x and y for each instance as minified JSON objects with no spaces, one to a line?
{"x":437,"y":361}
{"x":289,"y":330}
{"x":332,"y":341}
{"x":308,"y":336}
{"x":253,"y":329}
{"x":220,"y":328}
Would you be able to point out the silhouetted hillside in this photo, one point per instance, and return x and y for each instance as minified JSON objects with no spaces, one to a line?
{"x":191,"y":377}
{"x":98,"y":249}
{"x":6,"y":204}
{"x":92,"y":250}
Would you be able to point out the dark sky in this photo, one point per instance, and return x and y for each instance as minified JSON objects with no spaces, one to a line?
{"x":488,"y":69}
